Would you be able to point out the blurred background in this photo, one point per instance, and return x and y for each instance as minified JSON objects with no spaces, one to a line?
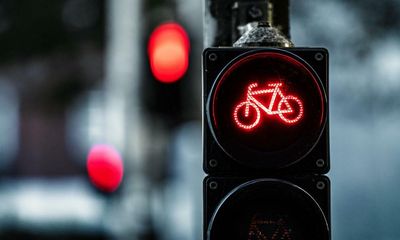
{"x":78,"y":73}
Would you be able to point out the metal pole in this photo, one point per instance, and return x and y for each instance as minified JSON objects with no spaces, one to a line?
{"x":279,"y":15}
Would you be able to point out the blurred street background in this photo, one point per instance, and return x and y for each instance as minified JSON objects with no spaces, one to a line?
{"x":78,"y":73}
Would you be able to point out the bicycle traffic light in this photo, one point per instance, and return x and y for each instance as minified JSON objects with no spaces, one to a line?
{"x":266,"y":143}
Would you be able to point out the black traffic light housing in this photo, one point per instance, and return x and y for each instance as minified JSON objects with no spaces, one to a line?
{"x":218,"y":160}
{"x":266,"y":143}
{"x":309,"y":204}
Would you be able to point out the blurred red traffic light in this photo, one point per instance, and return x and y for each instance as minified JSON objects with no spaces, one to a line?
{"x":168,"y":51}
{"x":105,"y":167}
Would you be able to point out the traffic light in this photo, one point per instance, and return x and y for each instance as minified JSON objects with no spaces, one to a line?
{"x":105,"y":167}
{"x":167,"y":62}
{"x":168,"y":51}
{"x":266,"y":143}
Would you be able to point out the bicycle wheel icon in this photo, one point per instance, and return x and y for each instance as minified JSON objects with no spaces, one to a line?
{"x":247,"y":115}
{"x":292,"y":110}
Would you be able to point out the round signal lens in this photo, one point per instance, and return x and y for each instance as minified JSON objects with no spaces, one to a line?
{"x":268,"y":209}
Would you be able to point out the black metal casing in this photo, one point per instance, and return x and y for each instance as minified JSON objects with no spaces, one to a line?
{"x":226,"y":174}
{"x":213,"y":195}
{"x":217,"y":161}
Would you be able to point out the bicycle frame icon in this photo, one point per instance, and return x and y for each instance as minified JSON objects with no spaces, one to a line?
{"x":289,"y":108}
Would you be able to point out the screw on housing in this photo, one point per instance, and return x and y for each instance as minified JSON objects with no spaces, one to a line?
{"x":213,"y":57}
{"x":320,"y":162}
{"x":319,"y":56}
{"x":321,"y":185}
{"x":213,"y":163}
{"x":213,"y":185}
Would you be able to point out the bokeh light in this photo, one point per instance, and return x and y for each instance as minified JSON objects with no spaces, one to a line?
{"x":105,"y":167}
{"x":168,"y":51}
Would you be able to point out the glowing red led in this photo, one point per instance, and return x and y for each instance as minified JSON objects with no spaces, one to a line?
{"x":247,"y":114}
{"x":105,"y":167}
{"x":168,"y":51}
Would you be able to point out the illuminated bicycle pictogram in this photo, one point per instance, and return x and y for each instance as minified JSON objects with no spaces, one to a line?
{"x":287,"y":112}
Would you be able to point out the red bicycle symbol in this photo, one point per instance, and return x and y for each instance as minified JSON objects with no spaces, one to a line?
{"x":285,"y":110}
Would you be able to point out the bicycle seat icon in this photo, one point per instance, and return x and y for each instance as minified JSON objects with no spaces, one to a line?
{"x":289,"y":108}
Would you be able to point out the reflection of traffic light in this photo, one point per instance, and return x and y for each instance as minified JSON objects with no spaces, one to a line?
{"x":266,"y":143}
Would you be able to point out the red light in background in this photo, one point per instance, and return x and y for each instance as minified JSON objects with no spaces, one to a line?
{"x":247,"y":113}
{"x":168,"y":51}
{"x":105,"y":167}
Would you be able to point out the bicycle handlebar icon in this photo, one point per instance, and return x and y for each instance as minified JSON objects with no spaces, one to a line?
{"x":284,"y":110}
